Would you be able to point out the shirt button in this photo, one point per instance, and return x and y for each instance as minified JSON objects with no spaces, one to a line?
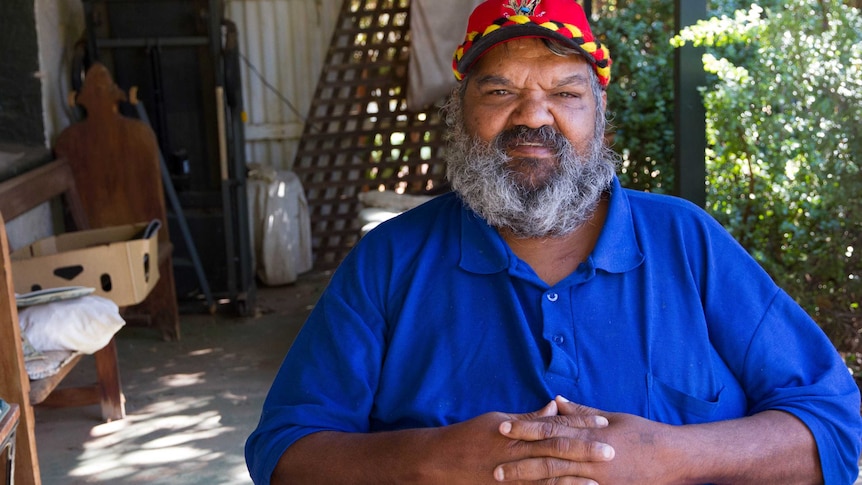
{"x":552,"y":297}
{"x":559,"y":339}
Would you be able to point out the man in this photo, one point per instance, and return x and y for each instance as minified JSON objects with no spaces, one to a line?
{"x":543,"y":325}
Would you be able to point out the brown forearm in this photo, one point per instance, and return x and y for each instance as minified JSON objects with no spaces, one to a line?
{"x":465,"y":453}
{"x":353,"y":458}
{"x":462,"y":453}
{"x":769,"y":448}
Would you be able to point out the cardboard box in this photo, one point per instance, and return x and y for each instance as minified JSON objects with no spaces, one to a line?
{"x":117,"y":261}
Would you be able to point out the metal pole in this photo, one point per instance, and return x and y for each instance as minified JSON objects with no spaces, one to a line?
{"x":181,"y":218}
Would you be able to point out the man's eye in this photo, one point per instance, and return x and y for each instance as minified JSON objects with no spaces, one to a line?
{"x":499,"y":92}
{"x":569,"y":95}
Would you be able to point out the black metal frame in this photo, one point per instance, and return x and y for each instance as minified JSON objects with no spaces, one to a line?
{"x":689,"y":112}
{"x":221,"y":187}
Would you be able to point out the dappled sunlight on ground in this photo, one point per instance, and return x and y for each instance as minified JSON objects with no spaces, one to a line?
{"x":190,"y":404}
{"x":180,"y":380}
{"x":186,"y":439}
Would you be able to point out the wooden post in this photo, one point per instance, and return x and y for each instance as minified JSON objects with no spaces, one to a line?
{"x":14,"y":382}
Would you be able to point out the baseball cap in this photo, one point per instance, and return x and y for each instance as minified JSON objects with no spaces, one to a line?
{"x":497,"y":21}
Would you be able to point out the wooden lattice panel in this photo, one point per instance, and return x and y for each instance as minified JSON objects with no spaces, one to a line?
{"x":359,"y":135}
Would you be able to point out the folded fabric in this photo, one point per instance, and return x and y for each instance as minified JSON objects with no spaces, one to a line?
{"x":30,"y":353}
{"x":48,"y":363}
{"x":83,"y":324}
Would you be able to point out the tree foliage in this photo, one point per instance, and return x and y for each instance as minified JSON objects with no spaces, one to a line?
{"x":640,"y":95}
{"x":784,"y":105}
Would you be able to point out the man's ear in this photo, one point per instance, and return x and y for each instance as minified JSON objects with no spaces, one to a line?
{"x":604,"y":100}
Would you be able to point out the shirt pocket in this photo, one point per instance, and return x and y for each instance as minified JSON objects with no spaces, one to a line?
{"x":670,"y":405}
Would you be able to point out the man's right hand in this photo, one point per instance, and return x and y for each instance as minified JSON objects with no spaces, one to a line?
{"x":471,"y":451}
{"x":462,"y":453}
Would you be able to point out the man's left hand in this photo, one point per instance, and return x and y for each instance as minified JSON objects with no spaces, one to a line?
{"x":635,"y":447}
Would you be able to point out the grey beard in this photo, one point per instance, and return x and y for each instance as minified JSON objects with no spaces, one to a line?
{"x":568,"y":199}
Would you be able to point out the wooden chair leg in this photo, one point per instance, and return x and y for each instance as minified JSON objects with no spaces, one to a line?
{"x":27,"y":470}
{"x":14,"y":382}
{"x":162,"y":305}
{"x":110,"y":388}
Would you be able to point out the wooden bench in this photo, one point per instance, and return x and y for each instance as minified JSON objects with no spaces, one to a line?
{"x":18,"y":196}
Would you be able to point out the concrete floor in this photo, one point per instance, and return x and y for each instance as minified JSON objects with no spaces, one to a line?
{"x":190,"y":404}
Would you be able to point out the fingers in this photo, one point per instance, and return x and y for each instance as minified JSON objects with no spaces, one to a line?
{"x":555,"y":443}
{"x":543,"y":470}
{"x":552,"y":427}
{"x":567,"y":407}
{"x":558,"y":418}
{"x":558,"y":445}
{"x":562,"y":406}
{"x":557,"y":460}
{"x":549,"y":438}
{"x":550,"y":409}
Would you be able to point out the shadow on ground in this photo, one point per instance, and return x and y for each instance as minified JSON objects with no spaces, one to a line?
{"x":190,"y":404}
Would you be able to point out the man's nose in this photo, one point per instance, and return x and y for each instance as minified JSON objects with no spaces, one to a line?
{"x":533,"y":113}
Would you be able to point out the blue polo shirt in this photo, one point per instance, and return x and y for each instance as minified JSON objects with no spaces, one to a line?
{"x":432,"y":320}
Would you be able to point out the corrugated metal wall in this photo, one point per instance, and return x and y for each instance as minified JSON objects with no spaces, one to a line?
{"x":284,"y":44}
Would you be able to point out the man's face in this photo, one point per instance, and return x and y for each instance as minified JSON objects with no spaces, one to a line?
{"x":526,"y":143}
{"x":521,"y":83}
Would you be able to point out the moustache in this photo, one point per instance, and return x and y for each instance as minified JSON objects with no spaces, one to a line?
{"x":544,"y":136}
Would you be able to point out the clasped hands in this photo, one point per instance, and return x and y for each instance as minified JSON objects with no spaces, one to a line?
{"x":562,"y":443}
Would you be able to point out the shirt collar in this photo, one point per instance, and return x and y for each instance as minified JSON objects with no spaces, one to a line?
{"x":617,"y":249}
{"x":483,"y":250}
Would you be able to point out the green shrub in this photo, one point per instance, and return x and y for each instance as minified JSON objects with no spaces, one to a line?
{"x":784,"y":105}
{"x":640,"y":95}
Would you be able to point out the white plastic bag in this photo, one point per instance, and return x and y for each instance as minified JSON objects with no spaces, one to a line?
{"x":84,"y":324}
{"x":281,"y":229}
